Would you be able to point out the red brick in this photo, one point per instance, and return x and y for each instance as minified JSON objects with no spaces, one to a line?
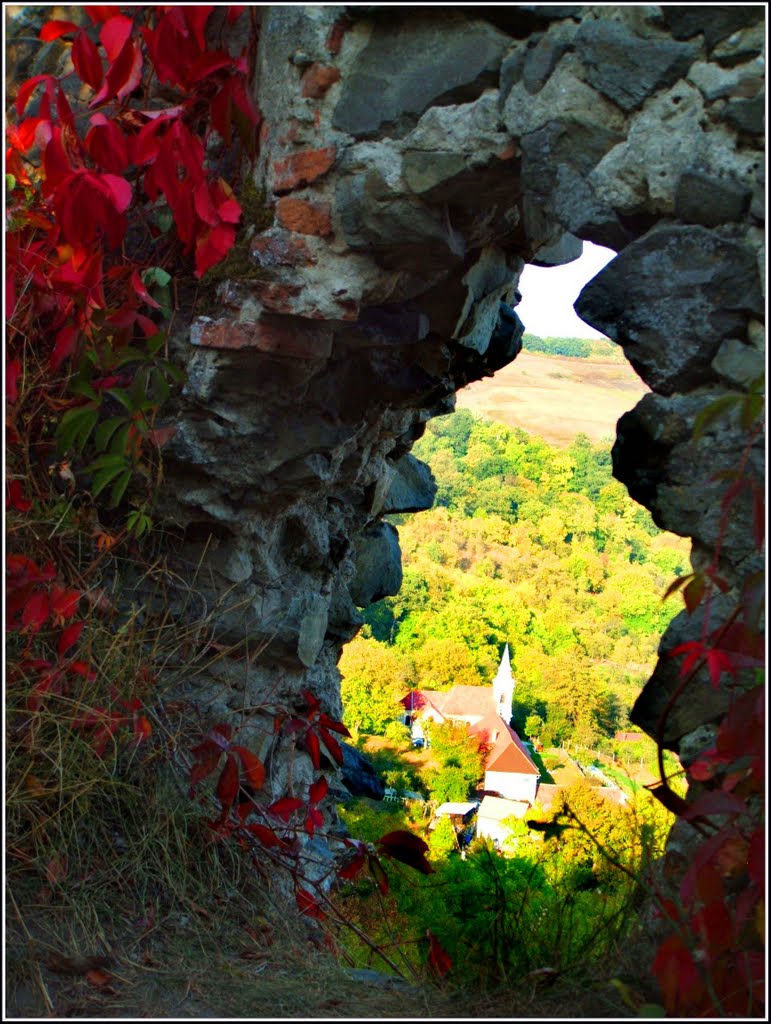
{"x":275,"y":297}
{"x":336,"y":33}
{"x":280,"y":336}
{"x":303,"y":217}
{"x":317,"y":79}
{"x":302,"y":168}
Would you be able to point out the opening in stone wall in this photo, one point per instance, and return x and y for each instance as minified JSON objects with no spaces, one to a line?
{"x":534,"y":566}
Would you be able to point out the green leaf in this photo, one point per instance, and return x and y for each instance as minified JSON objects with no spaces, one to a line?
{"x":752,"y":409}
{"x":713,"y":411}
{"x":119,"y":443}
{"x":75,"y":427}
{"x":127,"y":354}
{"x":107,"y":467}
{"x":160,"y":385}
{"x":156,"y":342}
{"x":80,"y":386}
{"x":105,"y":431}
{"x":123,"y":397}
{"x":10,"y":182}
{"x":119,"y":488}
{"x":156,"y":275}
{"x":652,"y":1010}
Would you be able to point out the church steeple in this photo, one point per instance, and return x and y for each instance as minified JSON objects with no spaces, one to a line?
{"x":503,"y":687}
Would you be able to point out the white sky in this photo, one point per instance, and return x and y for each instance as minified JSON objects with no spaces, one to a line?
{"x":548,"y":294}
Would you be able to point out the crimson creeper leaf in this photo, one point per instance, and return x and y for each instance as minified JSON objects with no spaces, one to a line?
{"x":54,"y":29}
{"x":12,"y":374}
{"x":314,"y":749}
{"x":253,"y":768}
{"x":205,"y":766}
{"x":86,"y":61}
{"x":16,"y":499}
{"x":377,"y":871}
{"x":227,"y":784}
{"x":68,"y":638}
{"x":309,"y":905}
{"x":36,"y":612}
{"x":318,"y":790}
{"x":285,"y":807}
{"x":438,"y":959}
{"x":334,"y":748}
{"x":407,"y":848}
{"x":265,"y":835}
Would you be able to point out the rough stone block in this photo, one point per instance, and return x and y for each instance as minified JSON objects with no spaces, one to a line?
{"x":670,"y":299}
{"x":703,"y":199}
{"x":413,"y":487}
{"x":716,"y":21}
{"x":627,"y":68}
{"x":408,"y":66}
{"x":378,"y":565}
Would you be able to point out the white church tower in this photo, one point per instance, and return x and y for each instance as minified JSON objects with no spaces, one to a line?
{"x":503,"y":687}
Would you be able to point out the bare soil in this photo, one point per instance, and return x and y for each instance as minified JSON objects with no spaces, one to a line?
{"x":557,"y":397}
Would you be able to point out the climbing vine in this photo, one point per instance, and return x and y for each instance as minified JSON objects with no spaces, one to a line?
{"x":713,"y":962}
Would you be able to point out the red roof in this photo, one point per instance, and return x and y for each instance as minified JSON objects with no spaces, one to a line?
{"x":508,"y":753}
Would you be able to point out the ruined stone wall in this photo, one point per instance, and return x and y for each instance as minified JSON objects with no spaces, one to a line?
{"x":412,"y":161}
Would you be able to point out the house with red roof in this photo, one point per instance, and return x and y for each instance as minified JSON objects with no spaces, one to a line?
{"x":509,"y":772}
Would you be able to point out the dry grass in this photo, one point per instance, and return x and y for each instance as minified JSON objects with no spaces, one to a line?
{"x":556,"y":397}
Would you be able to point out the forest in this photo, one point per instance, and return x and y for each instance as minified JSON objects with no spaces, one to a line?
{"x":528,"y":545}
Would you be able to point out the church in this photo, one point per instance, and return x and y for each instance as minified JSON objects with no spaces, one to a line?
{"x":509,"y":772}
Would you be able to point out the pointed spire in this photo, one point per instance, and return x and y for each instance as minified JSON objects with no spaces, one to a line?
{"x":503,"y":686}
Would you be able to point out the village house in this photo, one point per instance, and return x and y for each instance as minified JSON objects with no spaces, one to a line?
{"x":509,"y":772}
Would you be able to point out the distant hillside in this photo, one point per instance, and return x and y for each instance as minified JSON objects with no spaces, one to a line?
{"x":557,"y":397}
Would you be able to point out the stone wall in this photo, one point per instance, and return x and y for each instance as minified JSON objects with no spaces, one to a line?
{"x":412,"y":161}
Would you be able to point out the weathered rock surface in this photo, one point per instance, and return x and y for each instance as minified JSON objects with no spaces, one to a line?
{"x":413,"y":160}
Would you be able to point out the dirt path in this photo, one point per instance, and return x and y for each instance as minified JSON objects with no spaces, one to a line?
{"x":557,"y":397}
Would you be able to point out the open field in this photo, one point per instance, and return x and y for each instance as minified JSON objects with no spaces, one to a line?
{"x":556,"y":397}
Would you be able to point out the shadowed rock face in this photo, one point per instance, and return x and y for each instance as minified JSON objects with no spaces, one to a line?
{"x":446,"y":149}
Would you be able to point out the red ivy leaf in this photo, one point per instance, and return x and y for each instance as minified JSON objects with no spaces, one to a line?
{"x":114,"y":35}
{"x":318,"y":790}
{"x":101,"y":12}
{"x":266,"y":835}
{"x":314,"y":749}
{"x":26,"y":90}
{"x":12,"y":374}
{"x":285,"y":807}
{"x":714,"y":802}
{"x":254,"y":769}
{"x":64,"y":603}
{"x":354,"y":866}
{"x":203,"y":767}
{"x":438,"y":959}
{"x":36,"y":612}
{"x":68,"y":638}
{"x":377,"y":871}
{"x":86,"y":61}
{"x":65,"y":343}
{"x":54,"y":29}
{"x":309,"y":906}
{"x":142,"y":728}
{"x":330,"y":723}
{"x":407,"y":848}
{"x":227,"y":784}
{"x":313,"y":820}
{"x":334,"y":748}
{"x":15,"y":498}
